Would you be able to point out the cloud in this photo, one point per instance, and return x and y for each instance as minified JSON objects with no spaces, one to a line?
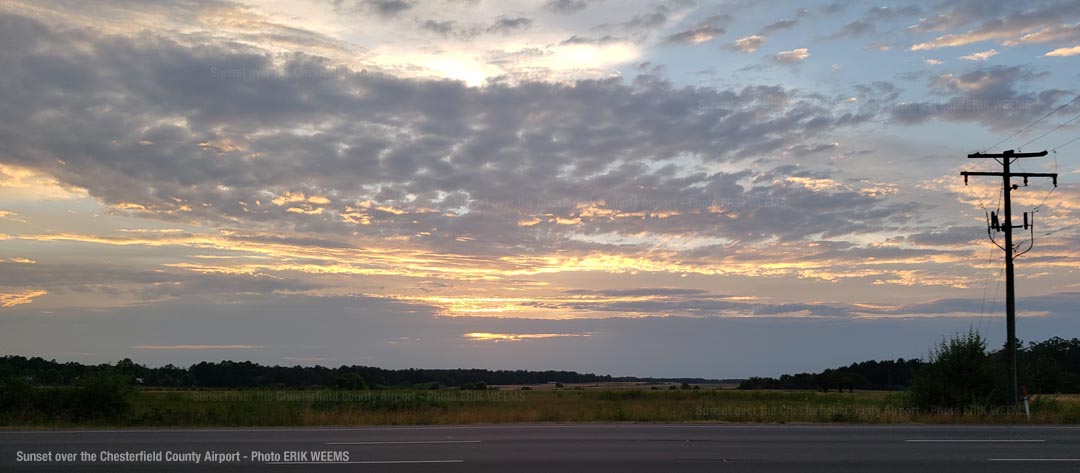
{"x":1064,"y":52}
{"x":749,"y":44}
{"x":980,"y":56}
{"x":566,"y":7}
{"x":644,"y":25}
{"x":989,"y":95}
{"x":1063,"y":32}
{"x":855,"y":28}
{"x":439,"y":175}
{"x":932,"y":62}
{"x":128,"y":285}
{"x":387,"y":7}
{"x":195,"y":347}
{"x":779,"y":25}
{"x":517,"y":337}
{"x":834,"y":7}
{"x":885,"y":12}
{"x":701,"y":32}
{"x":1040,"y":23}
{"x":793,"y":56}
{"x":600,"y":41}
{"x":785,"y":23}
{"x":445,"y":28}
{"x":868,"y":23}
{"x":11,"y":297}
{"x":342,"y":178}
{"x":509,"y":25}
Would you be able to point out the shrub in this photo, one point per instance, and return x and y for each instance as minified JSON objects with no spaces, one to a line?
{"x":16,"y":395}
{"x":351,"y":381}
{"x":104,"y":394}
{"x":958,"y":374}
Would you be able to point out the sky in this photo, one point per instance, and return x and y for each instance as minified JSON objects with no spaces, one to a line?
{"x":658,"y":188}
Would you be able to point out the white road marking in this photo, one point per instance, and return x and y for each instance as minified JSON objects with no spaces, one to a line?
{"x":404,"y":442}
{"x":975,"y":440}
{"x":1033,"y":459}
{"x":372,"y":462}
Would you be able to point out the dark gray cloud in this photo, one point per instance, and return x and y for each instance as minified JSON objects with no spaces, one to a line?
{"x":995,"y":96}
{"x":995,"y":14}
{"x":834,"y":7}
{"x":949,"y":236}
{"x":379,"y":7}
{"x":566,"y":7}
{"x":643,"y":25}
{"x":117,"y":280}
{"x":700,"y":32}
{"x":441,"y":27}
{"x":855,"y":28}
{"x":785,"y":23}
{"x":867,"y":24}
{"x":884,"y":12}
{"x":451,"y":29}
{"x":602,"y":40}
{"x":778,"y":25}
{"x":509,"y":25}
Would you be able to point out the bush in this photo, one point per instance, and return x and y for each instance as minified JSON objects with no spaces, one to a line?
{"x":480,"y":386}
{"x":104,"y":394}
{"x":958,"y":374}
{"x":351,"y":381}
{"x":16,"y":395}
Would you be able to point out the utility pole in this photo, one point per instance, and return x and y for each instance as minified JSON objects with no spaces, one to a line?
{"x":1006,"y":226}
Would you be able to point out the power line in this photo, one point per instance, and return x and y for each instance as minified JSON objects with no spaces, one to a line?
{"x":1036,"y":122}
{"x":1061,"y":229}
{"x":993,"y":302}
{"x":1066,"y":143}
{"x":986,"y":288}
{"x":1048,"y":193}
{"x":1037,"y":138}
{"x":989,"y":271}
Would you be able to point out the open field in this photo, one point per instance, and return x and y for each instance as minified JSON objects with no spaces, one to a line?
{"x":414,"y":407}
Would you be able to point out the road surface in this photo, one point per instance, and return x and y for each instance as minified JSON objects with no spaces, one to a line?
{"x":552,"y":448}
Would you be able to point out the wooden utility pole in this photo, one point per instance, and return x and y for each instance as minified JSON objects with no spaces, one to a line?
{"x":1006,"y":226}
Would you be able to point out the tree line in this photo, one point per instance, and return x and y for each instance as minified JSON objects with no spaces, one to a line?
{"x":1047,"y":367}
{"x":246,"y":374}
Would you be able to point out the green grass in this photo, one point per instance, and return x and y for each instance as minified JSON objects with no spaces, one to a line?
{"x":414,"y":407}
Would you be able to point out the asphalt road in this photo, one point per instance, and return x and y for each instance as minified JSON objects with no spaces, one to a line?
{"x":551,"y":448}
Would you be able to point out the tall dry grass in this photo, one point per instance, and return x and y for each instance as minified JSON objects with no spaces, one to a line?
{"x":413,"y":407}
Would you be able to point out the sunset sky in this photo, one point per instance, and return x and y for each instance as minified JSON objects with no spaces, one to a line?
{"x":654,"y":188}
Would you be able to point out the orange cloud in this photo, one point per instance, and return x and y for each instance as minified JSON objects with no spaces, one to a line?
{"x":12,"y":299}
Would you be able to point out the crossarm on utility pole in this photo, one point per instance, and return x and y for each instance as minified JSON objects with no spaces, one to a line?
{"x":1007,"y":154}
{"x":1025,"y":175}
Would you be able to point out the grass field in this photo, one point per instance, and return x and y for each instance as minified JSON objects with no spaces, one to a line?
{"x":411,"y":407}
